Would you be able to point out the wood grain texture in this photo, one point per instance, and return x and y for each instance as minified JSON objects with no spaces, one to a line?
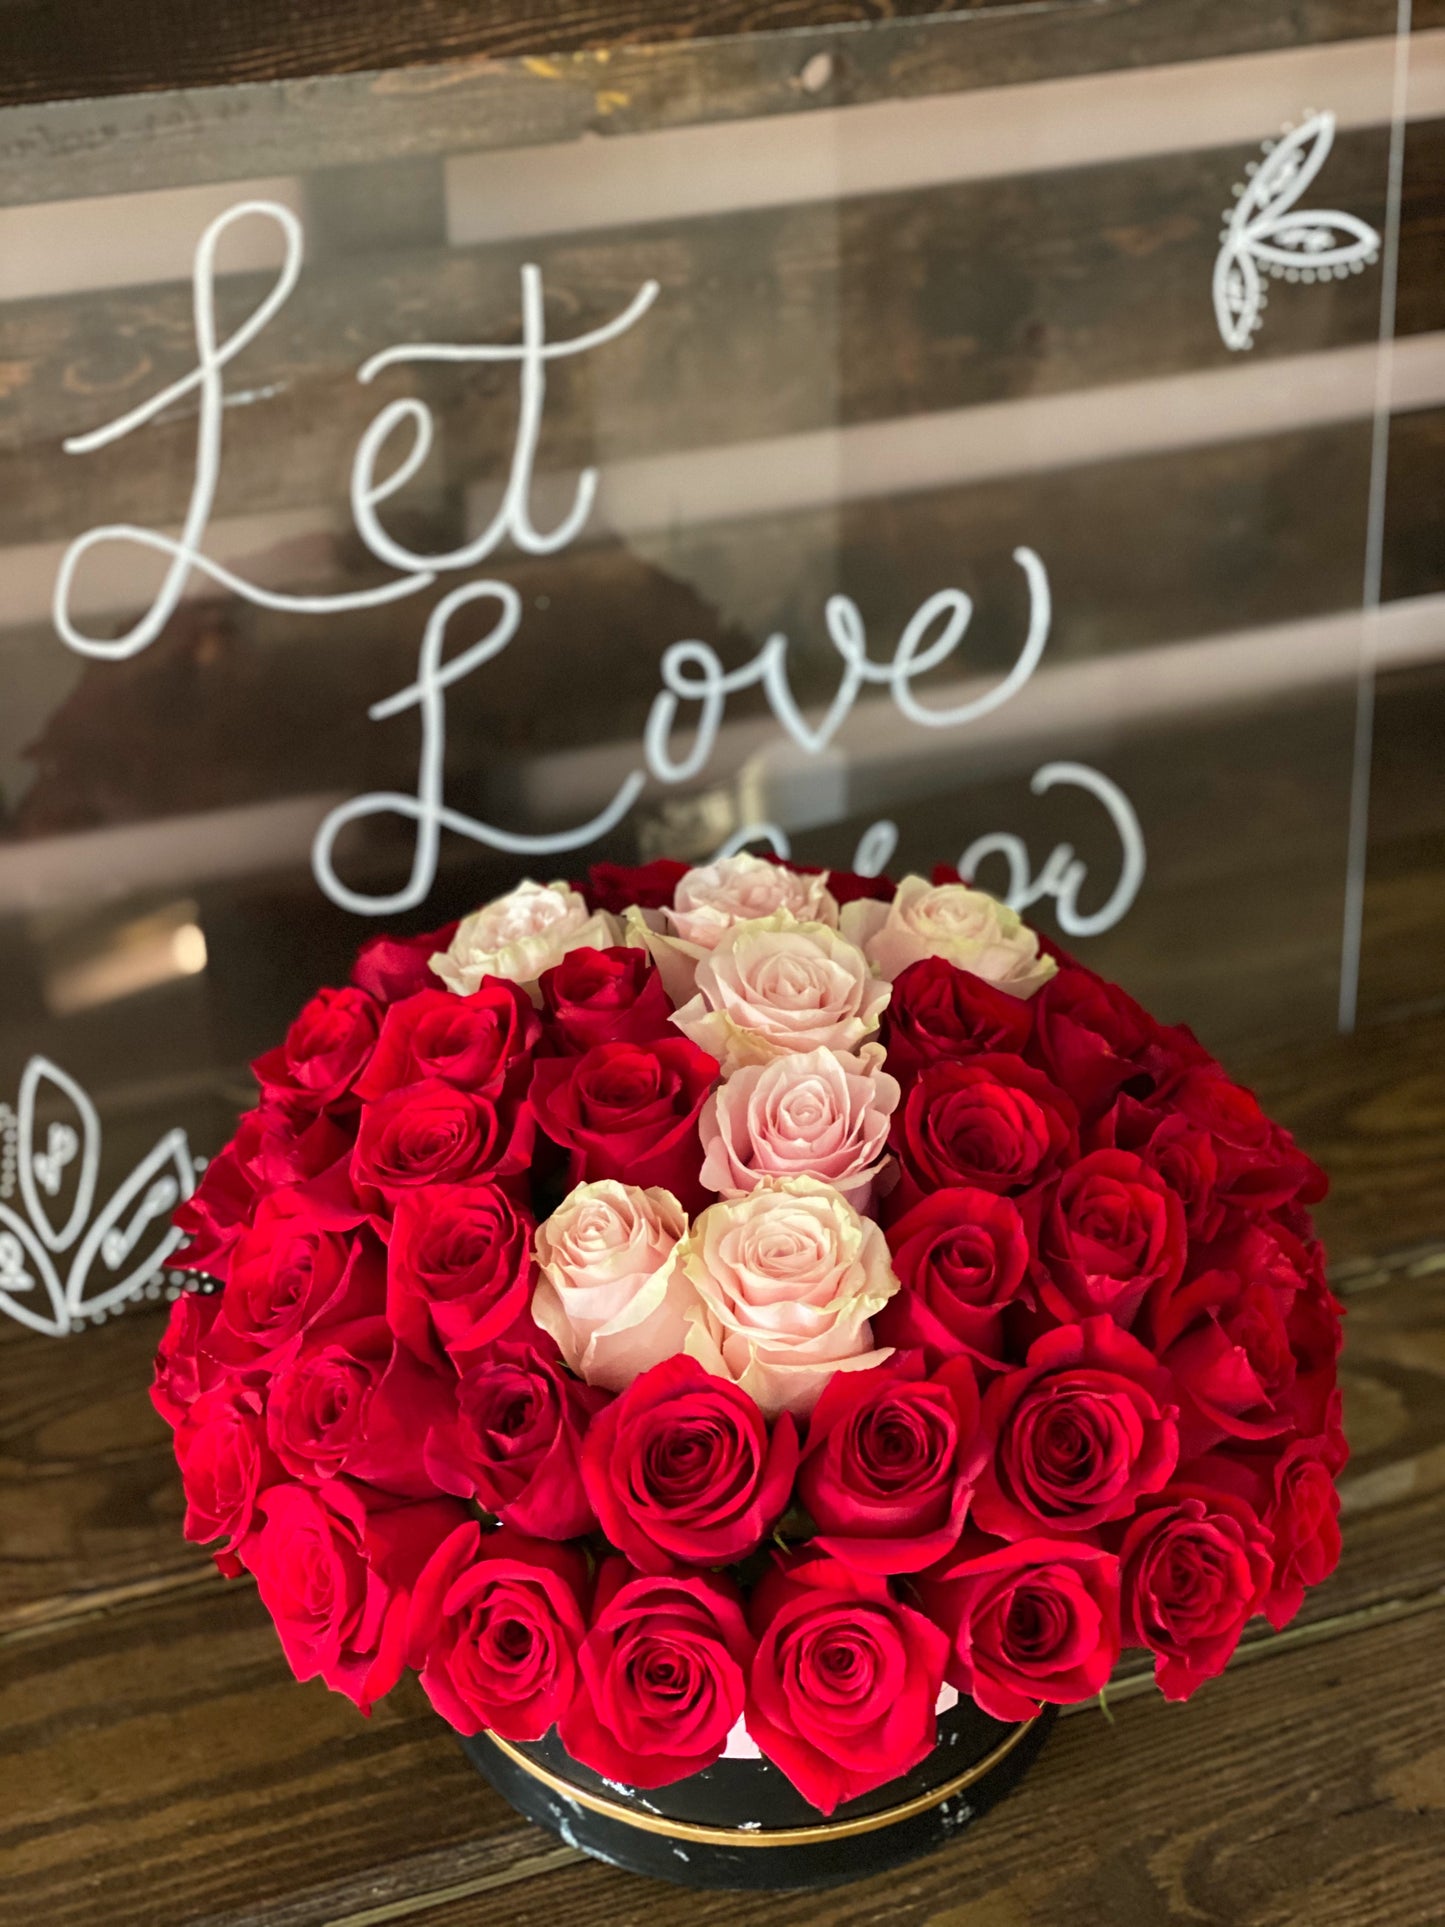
{"x":770,"y":322}
{"x":80,"y":51}
{"x":177,"y":45}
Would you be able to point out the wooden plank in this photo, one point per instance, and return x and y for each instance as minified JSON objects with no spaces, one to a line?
{"x":174,"y":43}
{"x":771,"y":322}
{"x":63,"y":149}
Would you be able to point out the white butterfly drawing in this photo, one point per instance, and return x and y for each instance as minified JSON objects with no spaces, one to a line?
{"x":59,"y":1264}
{"x":1267,"y":230}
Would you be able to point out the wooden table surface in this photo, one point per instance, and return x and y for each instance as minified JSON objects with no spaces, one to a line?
{"x":160,"y":1765}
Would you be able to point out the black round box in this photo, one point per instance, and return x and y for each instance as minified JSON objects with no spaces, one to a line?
{"x":743,"y":1824}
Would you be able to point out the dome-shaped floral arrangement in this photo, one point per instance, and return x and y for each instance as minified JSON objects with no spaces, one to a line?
{"x":739,"y":1309}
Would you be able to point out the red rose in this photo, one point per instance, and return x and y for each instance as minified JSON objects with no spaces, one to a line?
{"x":334,"y":1569}
{"x":1112,"y":1232}
{"x":516,"y":1442}
{"x":939,"y":1012}
{"x":289,"y":1275}
{"x":1182,"y":1153}
{"x":1090,"y":1036}
{"x":325,"y":1051}
{"x":884,"y":1470}
{"x":681,"y":1466}
{"x":471,"y":1042}
{"x":394,"y":967}
{"x":663,"y":1676}
{"x":615,"y":886}
{"x":1079,"y":1434}
{"x":351,"y":1401}
{"x":184,"y":1367}
{"x":1304,"y":1517}
{"x":1260,"y":1166}
{"x":224,"y":1464}
{"x":629,"y":1111}
{"x":994,"y":1122}
{"x":459,"y":1268}
{"x":845,"y":1681}
{"x":846,"y":886}
{"x":275,"y":1145}
{"x":494,"y":1628}
{"x":430,"y":1133}
{"x":1195,"y":1566}
{"x":612,"y":996}
{"x":1226,"y":1335}
{"x":1032,"y":1623}
{"x":961,"y":1257}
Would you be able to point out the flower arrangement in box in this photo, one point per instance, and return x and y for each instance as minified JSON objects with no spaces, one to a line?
{"x":747,"y":1321}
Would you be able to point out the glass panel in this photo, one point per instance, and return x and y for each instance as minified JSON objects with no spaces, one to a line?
{"x":889,"y":482}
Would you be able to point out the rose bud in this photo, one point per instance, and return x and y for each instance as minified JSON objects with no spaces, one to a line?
{"x":430,"y":1133}
{"x":1182,"y":1153}
{"x":184,"y":1368}
{"x":620,"y":887}
{"x":1304,"y":1519}
{"x":495,"y":1623}
{"x":391,"y":968}
{"x":966,"y":927}
{"x":628,"y":1111}
{"x":938,"y":1012}
{"x":663,"y":1676}
{"x":787,"y":1279}
{"x":1196,"y":1565}
{"x":682,"y":1467}
{"x":225,"y":1464}
{"x":994,"y":1123}
{"x":811,"y":1114}
{"x":334,"y":1568}
{"x":470,"y":1042}
{"x":885,"y":1468}
{"x":326,"y":1049}
{"x":845,"y":1680}
{"x":962,"y":1258}
{"x":1079,"y":1434}
{"x":603,"y":997}
{"x":1260,"y":1166}
{"x":515,"y":1444}
{"x":1113,"y":1231}
{"x":1030,"y":1624}
{"x":459,"y":1268}
{"x":611,"y":1292}
{"x":1091,"y":1038}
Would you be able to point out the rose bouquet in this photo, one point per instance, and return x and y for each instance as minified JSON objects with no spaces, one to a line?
{"x":739,"y":1310}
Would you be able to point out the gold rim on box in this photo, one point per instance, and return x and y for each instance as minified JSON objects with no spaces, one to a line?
{"x":752,"y":1837}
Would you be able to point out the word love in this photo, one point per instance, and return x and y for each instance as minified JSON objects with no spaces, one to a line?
{"x":390,"y":453}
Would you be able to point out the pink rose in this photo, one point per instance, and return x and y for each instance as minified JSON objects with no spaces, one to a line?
{"x":816,"y":1114}
{"x":521,"y":935}
{"x":739,"y":889}
{"x":966,"y":927}
{"x":786,"y":1279}
{"x":775,"y":985}
{"x":610,"y":1291}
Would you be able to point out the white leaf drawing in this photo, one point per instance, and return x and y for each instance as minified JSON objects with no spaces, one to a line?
{"x":1266,"y":229}
{"x":29,"y":1288}
{"x":142,"y":1205}
{"x":44,"y":1170}
{"x":113,"y":1254}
